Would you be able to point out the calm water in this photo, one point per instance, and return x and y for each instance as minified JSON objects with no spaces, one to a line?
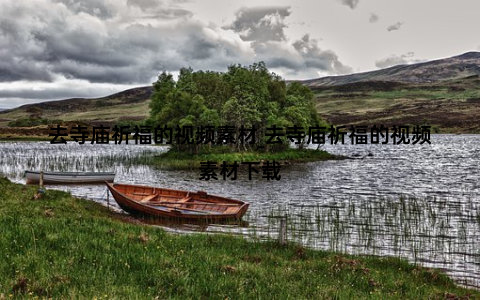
{"x":415,"y":201}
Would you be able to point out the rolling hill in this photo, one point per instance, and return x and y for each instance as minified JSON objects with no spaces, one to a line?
{"x":444,"y":93}
{"x":434,"y":71}
{"x":451,"y":106}
{"x":129,"y":105}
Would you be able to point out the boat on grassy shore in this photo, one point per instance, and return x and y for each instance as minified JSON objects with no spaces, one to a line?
{"x":69,"y":177}
{"x":175,"y":204}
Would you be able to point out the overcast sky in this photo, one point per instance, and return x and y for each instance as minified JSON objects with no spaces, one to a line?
{"x":56,"y":49}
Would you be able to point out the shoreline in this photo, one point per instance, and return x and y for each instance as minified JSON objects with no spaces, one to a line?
{"x":62,"y":246}
{"x":6,"y":137}
{"x":178,"y":160}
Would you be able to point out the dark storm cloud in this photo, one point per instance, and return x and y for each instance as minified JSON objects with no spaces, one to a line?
{"x":261,"y":24}
{"x":79,"y":45}
{"x":395,"y":26}
{"x":128,"y":42}
{"x":394,"y":60}
{"x":351,"y":3}
{"x":199,"y":48}
{"x":26,"y":69}
{"x":18,"y":54}
{"x":45,"y":38}
{"x":72,"y":39}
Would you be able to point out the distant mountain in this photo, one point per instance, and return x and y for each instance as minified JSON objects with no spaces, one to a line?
{"x":435,"y":71}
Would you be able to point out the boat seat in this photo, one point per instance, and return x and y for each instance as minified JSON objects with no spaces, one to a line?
{"x":141,"y":194}
{"x":183,"y":200}
{"x":148,"y":198}
{"x":231,"y":210}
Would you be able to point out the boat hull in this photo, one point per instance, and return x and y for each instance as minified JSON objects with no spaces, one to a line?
{"x":188,"y":211}
{"x":69,"y":177}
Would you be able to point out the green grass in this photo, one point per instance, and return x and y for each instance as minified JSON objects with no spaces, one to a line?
{"x":109,"y":113}
{"x":63,"y":247}
{"x":182,"y":160}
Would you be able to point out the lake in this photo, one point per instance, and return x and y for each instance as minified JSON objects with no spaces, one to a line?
{"x":419,"y":202}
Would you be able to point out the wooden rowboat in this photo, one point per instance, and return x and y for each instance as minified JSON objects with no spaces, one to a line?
{"x":69,"y":177}
{"x":181,"y":205}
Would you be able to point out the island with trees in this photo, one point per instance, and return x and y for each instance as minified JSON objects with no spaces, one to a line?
{"x":244,"y":105}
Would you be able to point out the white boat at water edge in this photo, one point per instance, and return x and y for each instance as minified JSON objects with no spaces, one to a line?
{"x":69,"y":177}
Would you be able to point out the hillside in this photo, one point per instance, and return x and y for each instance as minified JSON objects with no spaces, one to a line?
{"x":450,"y":106}
{"x":131,"y":105}
{"x":443,"y":93}
{"x":456,"y":67}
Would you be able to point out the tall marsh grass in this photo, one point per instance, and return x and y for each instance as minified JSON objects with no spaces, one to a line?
{"x":430,"y":231}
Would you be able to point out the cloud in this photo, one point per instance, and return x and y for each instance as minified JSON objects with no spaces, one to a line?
{"x":373,"y":18}
{"x":144,"y":4}
{"x":261,"y":24}
{"x":351,"y":3}
{"x":395,"y":26}
{"x":394,"y":60}
{"x":264,"y":28}
{"x":98,"y":8}
{"x":107,"y":42}
{"x":123,"y":43}
{"x":314,"y":57}
{"x":160,"y":9}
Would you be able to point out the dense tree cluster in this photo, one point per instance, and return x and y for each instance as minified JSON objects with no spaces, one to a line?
{"x":251,"y":97}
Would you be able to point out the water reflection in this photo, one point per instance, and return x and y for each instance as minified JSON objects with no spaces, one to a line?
{"x":347,"y":205}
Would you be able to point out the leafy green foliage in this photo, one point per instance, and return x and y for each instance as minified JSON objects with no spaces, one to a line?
{"x":162,"y":87}
{"x":243,"y":96}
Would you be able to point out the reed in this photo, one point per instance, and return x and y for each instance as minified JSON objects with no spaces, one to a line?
{"x":64,"y":247}
{"x":423,"y":230}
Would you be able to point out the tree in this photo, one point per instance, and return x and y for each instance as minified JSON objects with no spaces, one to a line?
{"x":243,"y":96}
{"x":161,"y":88}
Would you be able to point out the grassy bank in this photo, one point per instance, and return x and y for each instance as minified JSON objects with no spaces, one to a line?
{"x":181,"y":160}
{"x":64,"y":247}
